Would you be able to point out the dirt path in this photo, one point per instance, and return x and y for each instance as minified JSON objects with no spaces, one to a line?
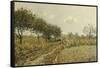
{"x":48,"y":58}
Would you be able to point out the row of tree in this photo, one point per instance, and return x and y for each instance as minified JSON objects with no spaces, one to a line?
{"x":26,"y":20}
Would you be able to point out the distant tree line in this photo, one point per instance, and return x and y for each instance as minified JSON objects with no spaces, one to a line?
{"x":89,"y":31}
{"x":26,"y":20}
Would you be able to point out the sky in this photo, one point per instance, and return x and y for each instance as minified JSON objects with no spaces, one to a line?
{"x":68,"y":17}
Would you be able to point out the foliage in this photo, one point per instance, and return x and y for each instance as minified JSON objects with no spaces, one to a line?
{"x":52,"y":31}
{"x":23,"y":21}
{"x":39,"y":26}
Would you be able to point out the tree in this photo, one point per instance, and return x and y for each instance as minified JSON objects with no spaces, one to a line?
{"x":70,"y":35}
{"x":56,"y":31}
{"x":76,"y":35}
{"x":23,"y":21}
{"x":39,"y":26}
{"x":51,"y":31}
{"x":89,"y":30}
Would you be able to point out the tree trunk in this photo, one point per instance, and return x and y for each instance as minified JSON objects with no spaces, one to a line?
{"x":20,"y":36}
{"x":21,"y":40}
{"x":38,"y":37}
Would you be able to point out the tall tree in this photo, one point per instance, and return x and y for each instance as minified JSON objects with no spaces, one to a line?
{"x":23,"y":21}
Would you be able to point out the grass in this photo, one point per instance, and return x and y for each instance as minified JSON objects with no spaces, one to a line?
{"x":78,"y":54}
{"x":33,"y":51}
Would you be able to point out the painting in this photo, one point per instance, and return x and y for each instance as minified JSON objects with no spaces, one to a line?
{"x":52,"y":33}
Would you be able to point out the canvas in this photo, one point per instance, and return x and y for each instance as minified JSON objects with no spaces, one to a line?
{"x":52,"y":33}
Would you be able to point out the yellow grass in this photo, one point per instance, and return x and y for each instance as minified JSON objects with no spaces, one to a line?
{"x":77,"y":54}
{"x":33,"y":51}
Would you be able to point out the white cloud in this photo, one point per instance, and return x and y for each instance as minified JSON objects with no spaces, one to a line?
{"x":70,"y":19}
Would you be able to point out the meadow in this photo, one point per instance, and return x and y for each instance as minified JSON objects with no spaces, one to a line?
{"x":35,"y":52}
